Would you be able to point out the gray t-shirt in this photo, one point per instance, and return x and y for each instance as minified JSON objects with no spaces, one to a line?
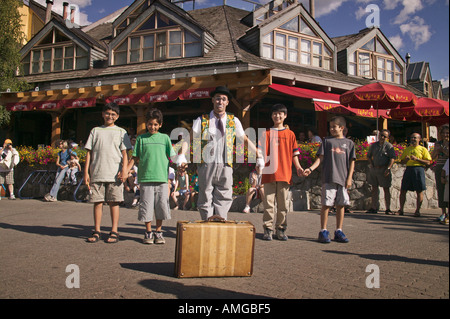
{"x":106,"y":145}
{"x":337,"y":154}
{"x":381,"y":154}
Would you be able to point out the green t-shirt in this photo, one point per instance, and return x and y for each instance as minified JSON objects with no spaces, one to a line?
{"x":153,"y":151}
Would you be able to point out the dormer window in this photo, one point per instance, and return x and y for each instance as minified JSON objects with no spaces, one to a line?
{"x":158,"y":38}
{"x":295,"y":42}
{"x":54,"y":53}
{"x":372,"y":60}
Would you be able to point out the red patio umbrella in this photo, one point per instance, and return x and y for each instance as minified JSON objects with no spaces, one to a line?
{"x":379,"y":96}
{"x":427,"y":109}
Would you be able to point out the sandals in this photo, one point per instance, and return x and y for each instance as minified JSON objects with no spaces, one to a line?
{"x":96,"y":235}
{"x":113,"y":237}
{"x":389,"y":212}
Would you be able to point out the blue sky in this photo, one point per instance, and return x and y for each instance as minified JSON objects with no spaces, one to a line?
{"x":418,"y":27}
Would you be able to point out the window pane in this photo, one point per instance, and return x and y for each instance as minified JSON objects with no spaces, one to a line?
{"x":369,"y":45}
{"x":326,"y":51}
{"x":35,"y":67}
{"x":120,"y":58}
{"x":46,"y":66}
{"x":317,"y":61}
{"x":36,"y":55}
{"x":317,"y":48}
{"x":175,"y":50}
{"x":135,"y":43}
{"x":390,"y":65}
{"x":68,"y":52}
{"x":364,"y":70}
{"x":380,"y":48}
{"x":57,"y":65}
{"x":293,"y":43}
{"x":134,"y":56}
{"x":293,"y":56}
{"x":58,"y":53}
{"x":306,"y":46}
{"x":48,"y":54}
{"x":380,"y":63}
{"x":81,"y":63}
{"x":192,"y":49}
{"x":189,"y":37}
{"x":390,"y":76}
{"x":149,"y":41}
{"x":148,"y":54}
{"x":161,"y":46}
{"x":161,"y":39}
{"x":268,"y":51}
{"x":81,"y":51}
{"x":175,"y":37}
{"x":281,"y":39}
{"x":291,"y":25}
{"x":364,"y":58}
{"x":280,"y":53}
{"x":304,"y":28}
{"x":327,"y":64}
{"x":381,"y":75}
{"x":306,"y":58}
{"x":68,"y":64}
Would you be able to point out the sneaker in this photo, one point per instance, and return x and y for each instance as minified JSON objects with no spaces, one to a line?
{"x":246,"y":209}
{"x":12,"y":197}
{"x":267,"y":234}
{"x":148,"y":238}
{"x":445,"y":221}
{"x":339,"y":236}
{"x":159,"y":239}
{"x":281,"y":235}
{"x":52,"y":199}
{"x":324,"y":237}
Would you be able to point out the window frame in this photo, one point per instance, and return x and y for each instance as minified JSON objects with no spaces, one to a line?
{"x":324,"y":59}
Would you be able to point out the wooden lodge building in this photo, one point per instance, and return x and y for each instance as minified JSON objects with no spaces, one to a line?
{"x":155,"y":54}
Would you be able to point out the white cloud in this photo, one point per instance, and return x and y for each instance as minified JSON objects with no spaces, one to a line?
{"x":417,"y":30}
{"x":396,"y":41}
{"x":445,"y":82}
{"x":360,"y":13}
{"x":410,"y":7}
{"x":81,"y":18}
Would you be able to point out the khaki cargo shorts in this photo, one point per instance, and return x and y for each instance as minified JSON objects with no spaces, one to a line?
{"x":106,"y":192}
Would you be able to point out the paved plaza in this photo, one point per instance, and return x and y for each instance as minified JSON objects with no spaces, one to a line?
{"x":408,"y":256}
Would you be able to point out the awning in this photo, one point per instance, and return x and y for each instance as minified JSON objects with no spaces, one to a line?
{"x":51,"y":104}
{"x":328,"y":102}
{"x":305,"y":93}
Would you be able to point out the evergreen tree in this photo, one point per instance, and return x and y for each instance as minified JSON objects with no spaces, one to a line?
{"x":11,"y":39}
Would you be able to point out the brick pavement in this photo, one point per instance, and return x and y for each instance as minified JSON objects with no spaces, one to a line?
{"x":39,"y":239}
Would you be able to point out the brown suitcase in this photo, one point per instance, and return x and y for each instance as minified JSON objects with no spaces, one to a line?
{"x":214,"y":249}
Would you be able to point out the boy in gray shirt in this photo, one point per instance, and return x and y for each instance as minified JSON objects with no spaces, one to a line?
{"x":104,"y":171}
{"x":338,"y":156}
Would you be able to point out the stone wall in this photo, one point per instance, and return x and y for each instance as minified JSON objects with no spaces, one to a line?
{"x":305,"y":193}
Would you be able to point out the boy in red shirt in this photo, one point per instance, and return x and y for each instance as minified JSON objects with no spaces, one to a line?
{"x":280,"y":151}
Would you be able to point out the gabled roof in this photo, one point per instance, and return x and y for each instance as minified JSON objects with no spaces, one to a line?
{"x":75,"y":34}
{"x":170,"y":10}
{"x":353,"y":42}
{"x":417,"y":71}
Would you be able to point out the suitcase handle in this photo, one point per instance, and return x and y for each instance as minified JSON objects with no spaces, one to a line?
{"x":216,"y":218}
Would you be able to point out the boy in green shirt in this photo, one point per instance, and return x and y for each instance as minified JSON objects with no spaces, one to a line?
{"x":151,"y":152}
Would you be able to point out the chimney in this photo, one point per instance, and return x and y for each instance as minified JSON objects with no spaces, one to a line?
{"x":72,"y":14}
{"x":312,"y":8}
{"x":48,"y":12}
{"x":65,"y":5}
{"x":408,"y":57}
